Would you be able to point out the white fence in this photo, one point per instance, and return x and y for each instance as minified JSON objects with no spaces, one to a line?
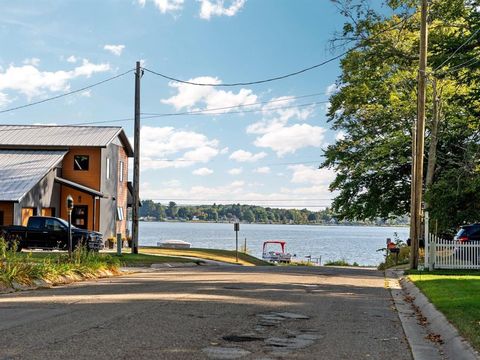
{"x":451,"y":254}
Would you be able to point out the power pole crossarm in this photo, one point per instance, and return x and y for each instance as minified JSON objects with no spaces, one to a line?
{"x":136,"y":161}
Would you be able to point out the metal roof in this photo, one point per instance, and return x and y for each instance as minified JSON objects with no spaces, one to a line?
{"x":21,"y":170}
{"x":55,"y":136}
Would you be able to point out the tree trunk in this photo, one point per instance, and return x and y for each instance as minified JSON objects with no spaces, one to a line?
{"x":432,"y":151}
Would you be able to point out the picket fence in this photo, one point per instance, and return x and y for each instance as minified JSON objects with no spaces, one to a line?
{"x":451,"y":254}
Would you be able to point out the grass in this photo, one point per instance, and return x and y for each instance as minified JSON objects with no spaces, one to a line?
{"x":24,"y":268}
{"x":226,"y":256}
{"x":341,"y":262}
{"x":126,"y":259}
{"x":457,"y":295}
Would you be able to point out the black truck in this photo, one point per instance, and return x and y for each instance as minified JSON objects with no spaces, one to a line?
{"x":44,"y":232}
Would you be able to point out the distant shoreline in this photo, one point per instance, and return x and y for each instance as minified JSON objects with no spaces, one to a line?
{"x":257,"y":223}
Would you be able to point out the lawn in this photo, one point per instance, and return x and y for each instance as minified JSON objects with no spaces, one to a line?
{"x":457,"y":296}
{"x":227,"y":256}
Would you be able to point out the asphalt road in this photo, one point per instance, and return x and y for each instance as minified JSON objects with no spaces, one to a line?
{"x":210,"y":312}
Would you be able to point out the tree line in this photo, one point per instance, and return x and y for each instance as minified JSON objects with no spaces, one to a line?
{"x":152,"y":211}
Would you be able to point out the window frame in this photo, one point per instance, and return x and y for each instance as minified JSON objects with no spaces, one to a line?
{"x":121,"y":169}
{"x":75,"y":162}
{"x":107,"y":175}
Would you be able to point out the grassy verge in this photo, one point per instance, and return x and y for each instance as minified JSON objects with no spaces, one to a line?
{"x":457,"y":295}
{"x":209,"y":254}
{"x":341,"y":262}
{"x":24,"y":269}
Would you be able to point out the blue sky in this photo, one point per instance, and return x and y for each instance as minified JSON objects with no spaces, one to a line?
{"x":268,"y":157}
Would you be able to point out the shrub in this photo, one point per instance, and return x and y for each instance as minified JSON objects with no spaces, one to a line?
{"x":23,"y":269}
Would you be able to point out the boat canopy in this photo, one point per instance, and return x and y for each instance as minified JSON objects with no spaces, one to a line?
{"x":281,"y":242}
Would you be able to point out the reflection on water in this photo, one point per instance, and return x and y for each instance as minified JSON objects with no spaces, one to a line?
{"x":353,"y":243}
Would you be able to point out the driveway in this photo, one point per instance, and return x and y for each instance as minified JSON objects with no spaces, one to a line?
{"x":208,"y":313}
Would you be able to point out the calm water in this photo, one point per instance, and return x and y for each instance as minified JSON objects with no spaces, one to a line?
{"x":353,"y":243}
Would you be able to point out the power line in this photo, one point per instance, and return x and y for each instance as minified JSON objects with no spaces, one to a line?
{"x":196,"y":112}
{"x":66,"y":94}
{"x":209,"y":112}
{"x":262,"y":200}
{"x":243,"y":105}
{"x":280,"y":77}
{"x":458,"y":49}
{"x":251,"y":82}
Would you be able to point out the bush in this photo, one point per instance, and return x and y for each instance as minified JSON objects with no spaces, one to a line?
{"x":341,"y":262}
{"x":23,"y":269}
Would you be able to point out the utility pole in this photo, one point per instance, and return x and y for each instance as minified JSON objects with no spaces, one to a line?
{"x":417,"y":179}
{"x":136,"y":161}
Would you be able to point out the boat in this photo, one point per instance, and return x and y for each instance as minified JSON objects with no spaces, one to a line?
{"x":174,"y":244}
{"x":275,"y":256}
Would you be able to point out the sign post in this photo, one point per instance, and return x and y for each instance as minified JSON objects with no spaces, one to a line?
{"x":236,"y":227}
{"x":69,"y":209}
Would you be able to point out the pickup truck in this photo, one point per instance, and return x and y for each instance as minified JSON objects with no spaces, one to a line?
{"x":43,"y":232}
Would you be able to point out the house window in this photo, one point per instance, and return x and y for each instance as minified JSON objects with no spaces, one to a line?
{"x":2,"y":218}
{"x":80,"y":162}
{"x":108,"y":168}
{"x":120,"y":177}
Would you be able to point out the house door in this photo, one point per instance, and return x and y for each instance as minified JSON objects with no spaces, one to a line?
{"x":26,"y":213}
{"x":80,"y":216}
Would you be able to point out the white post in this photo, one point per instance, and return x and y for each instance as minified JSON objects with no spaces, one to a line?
{"x":426,"y":238}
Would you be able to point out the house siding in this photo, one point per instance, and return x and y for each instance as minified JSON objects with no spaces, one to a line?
{"x":46,"y":194}
{"x":122,"y":190}
{"x":90,"y":177}
{"x":7,"y":208}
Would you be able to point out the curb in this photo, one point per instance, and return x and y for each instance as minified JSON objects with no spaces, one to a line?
{"x":451,"y":345}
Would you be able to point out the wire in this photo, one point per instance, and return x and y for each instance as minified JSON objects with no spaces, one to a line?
{"x":470,"y":62}
{"x":252,"y":82}
{"x":281,"y":77}
{"x":67,"y":93}
{"x":209,"y":112}
{"x":458,"y":49}
{"x":262,"y":200}
{"x":244,"y":105}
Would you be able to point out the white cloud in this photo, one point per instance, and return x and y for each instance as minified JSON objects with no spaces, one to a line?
{"x":86,"y":93}
{"x":32,"y":61}
{"x":211,"y":8}
{"x":30,"y":81}
{"x":202,"y":171}
{"x":115,"y":49}
{"x":72,"y":59}
{"x":288,"y":139}
{"x":331,"y":89}
{"x":4,"y":99}
{"x":247,"y":156}
{"x":166,"y":147}
{"x":224,"y":151}
{"x":303,"y":174}
{"x":235,"y":171}
{"x":188,"y":96}
{"x":340,"y":136}
{"x":164,"y":5}
{"x":262,"y":170}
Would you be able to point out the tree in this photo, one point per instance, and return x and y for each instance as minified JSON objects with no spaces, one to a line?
{"x":375,"y":107}
{"x":172,"y":209}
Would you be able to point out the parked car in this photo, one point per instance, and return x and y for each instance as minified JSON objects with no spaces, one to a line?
{"x":44,"y":232}
{"x":468,"y":234}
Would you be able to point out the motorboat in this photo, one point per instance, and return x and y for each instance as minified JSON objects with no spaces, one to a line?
{"x":273,"y":256}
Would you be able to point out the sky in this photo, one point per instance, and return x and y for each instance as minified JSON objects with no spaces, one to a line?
{"x":267,"y":153}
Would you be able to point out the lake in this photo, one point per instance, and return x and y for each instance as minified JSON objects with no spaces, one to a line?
{"x":352,"y":243}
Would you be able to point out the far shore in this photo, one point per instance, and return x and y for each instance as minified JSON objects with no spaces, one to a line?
{"x":255,"y":223}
